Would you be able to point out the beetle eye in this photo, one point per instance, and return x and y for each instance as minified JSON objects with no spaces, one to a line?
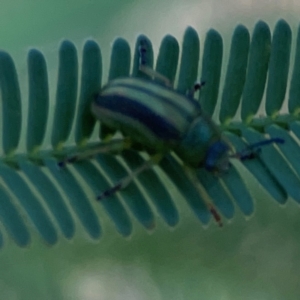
{"x":217,"y":157}
{"x":223,"y":164}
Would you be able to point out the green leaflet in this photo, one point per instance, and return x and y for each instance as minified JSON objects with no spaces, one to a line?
{"x":66,"y":93}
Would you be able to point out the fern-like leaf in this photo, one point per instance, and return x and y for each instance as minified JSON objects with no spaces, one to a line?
{"x":33,"y":188}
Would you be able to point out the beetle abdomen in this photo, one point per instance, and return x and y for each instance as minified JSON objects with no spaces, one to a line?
{"x":145,"y":111}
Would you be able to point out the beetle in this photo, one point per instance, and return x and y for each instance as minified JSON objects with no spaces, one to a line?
{"x":162,"y":120}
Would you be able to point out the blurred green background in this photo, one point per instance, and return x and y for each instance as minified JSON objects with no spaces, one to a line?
{"x":257,"y":258}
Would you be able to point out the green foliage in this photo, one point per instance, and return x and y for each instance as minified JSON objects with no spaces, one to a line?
{"x":32,"y":187}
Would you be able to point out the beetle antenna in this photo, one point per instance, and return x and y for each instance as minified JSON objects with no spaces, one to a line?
{"x":252,"y":150}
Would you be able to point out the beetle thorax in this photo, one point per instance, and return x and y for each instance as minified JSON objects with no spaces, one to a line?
{"x":202,"y":145}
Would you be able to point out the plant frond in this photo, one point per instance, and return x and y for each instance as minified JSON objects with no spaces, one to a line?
{"x":33,"y":188}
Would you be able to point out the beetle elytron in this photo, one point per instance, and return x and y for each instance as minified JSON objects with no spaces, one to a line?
{"x":161,"y":119}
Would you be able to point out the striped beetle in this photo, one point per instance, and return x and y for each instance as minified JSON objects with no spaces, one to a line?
{"x":163,"y":120}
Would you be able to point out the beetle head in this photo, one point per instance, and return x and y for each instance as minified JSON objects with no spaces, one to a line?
{"x":217,"y":158}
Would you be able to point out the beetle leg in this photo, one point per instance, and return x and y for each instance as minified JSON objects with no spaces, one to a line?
{"x":197,"y":87}
{"x":114,"y":146}
{"x":130,"y":177}
{"x":148,"y":70}
{"x":191,"y":173}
